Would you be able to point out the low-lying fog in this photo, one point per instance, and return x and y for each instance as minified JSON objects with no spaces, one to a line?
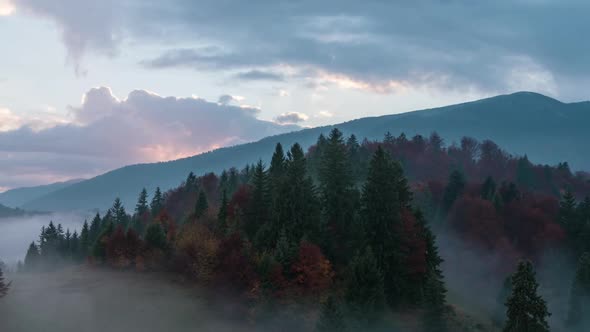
{"x":16,"y":233}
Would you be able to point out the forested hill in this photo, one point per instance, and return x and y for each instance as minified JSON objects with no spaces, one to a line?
{"x":547,"y":130}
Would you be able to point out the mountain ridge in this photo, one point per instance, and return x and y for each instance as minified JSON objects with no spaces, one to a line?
{"x":521,"y":123}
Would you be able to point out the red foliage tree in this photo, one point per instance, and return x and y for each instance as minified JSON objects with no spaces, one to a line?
{"x":313,"y":271}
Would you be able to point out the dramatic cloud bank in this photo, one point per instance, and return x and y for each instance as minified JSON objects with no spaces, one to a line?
{"x":375,"y":45}
{"x":107,"y":132}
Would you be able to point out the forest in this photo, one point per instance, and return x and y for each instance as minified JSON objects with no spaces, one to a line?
{"x":346,"y":235}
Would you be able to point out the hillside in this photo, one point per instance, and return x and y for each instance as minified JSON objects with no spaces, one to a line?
{"x":522,"y":122}
{"x":19,"y":196}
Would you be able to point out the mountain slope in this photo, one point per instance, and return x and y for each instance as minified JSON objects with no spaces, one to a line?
{"x":19,"y":196}
{"x":546,"y":129}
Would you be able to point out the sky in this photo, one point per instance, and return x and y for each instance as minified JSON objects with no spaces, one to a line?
{"x":88,"y":86}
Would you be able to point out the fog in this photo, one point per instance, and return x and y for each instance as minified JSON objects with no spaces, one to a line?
{"x":16,"y":233}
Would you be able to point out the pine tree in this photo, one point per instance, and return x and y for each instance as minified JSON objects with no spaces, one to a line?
{"x":524,"y":173}
{"x":4,"y":286}
{"x":488,"y":189}
{"x":94,"y":230}
{"x":191,"y":182}
{"x":331,"y":317}
{"x":526,"y":310}
{"x":336,"y":185}
{"x":74,"y":246}
{"x":388,"y":138}
{"x":119,"y":214}
{"x":579,"y":310}
{"x":155,"y":237}
{"x":32,"y":258}
{"x":435,"y":290}
{"x":364,"y":290}
{"x":222,"y":214}
{"x":141,"y":208}
{"x":202,"y":204}
{"x":99,"y":248}
{"x":84,"y":240}
{"x":453,"y":191}
{"x":258,"y":212}
{"x":157,"y":202}
{"x":385,"y":193}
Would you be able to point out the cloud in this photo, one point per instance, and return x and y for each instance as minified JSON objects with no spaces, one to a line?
{"x":6,"y":7}
{"x":229,"y":99}
{"x":106,"y":132}
{"x":85,"y":25}
{"x":291,"y":117}
{"x":8,"y":120}
{"x":259,"y":75}
{"x":375,"y":46}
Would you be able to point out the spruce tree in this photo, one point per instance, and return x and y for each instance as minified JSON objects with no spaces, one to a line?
{"x":258,"y":211}
{"x":222,"y":214}
{"x":141,"y":208}
{"x":488,"y":189}
{"x":119,"y":214}
{"x":526,"y":310}
{"x":385,"y":194}
{"x":202,"y":205}
{"x":32,"y":257}
{"x":157,"y":202}
{"x":94,"y":229}
{"x":4,"y":286}
{"x":155,"y":237}
{"x":453,"y":191}
{"x":435,"y":290}
{"x":364,"y":290}
{"x":84,"y":240}
{"x":336,"y":186}
{"x":331,"y":317}
{"x":579,"y":309}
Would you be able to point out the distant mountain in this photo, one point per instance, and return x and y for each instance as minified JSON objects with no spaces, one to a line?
{"x":6,"y":212}
{"x":19,"y":196}
{"x":545,"y":129}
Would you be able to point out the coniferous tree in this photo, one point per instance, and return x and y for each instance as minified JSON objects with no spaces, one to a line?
{"x":155,"y":237}
{"x":488,"y":189}
{"x":579,"y":309}
{"x":84,"y":240}
{"x":453,"y":190}
{"x":94,"y":229}
{"x":4,"y":286}
{"x":567,"y":214}
{"x":336,"y":186}
{"x":157,"y":202}
{"x":202,"y":204}
{"x":99,"y":248}
{"x":141,"y":208}
{"x":385,"y":193}
{"x":74,"y":247}
{"x":119,"y":214}
{"x":32,"y":257}
{"x":258,"y":212}
{"x":364,"y":290}
{"x":435,"y":290}
{"x":222,"y":214}
{"x":331,"y":317}
{"x":526,"y":310}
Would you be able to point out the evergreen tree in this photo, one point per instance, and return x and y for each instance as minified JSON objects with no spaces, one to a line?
{"x":579,"y":310}
{"x":488,"y":189}
{"x":388,"y":138}
{"x":285,"y":250}
{"x":141,"y":208}
{"x":4,"y":286}
{"x":157,"y":202}
{"x":258,"y":213}
{"x":331,"y":317}
{"x":364,"y":290}
{"x":524,"y":173}
{"x":336,"y":186}
{"x":155,"y":237}
{"x":84,"y":240}
{"x":453,"y":190}
{"x":435,"y":290}
{"x":94,"y":230}
{"x":526,"y":310}
{"x":202,"y":204}
{"x":385,"y":193}
{"x":222,"y":214}
{"x":119,"y":214}
{"x":32,"y":258}
{"x":99,"y":248}
{"x":191,"y":182}
{"x":74,"y":247}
